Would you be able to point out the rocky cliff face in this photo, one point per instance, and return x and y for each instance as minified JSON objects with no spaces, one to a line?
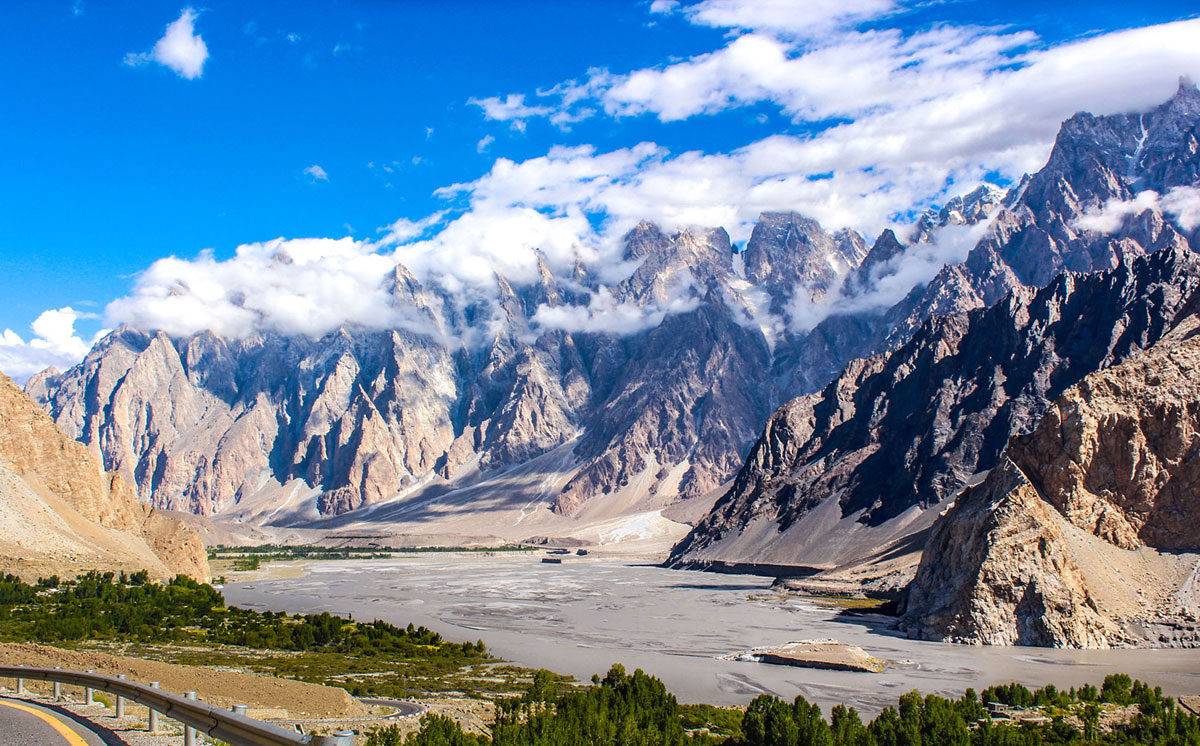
{"x":1085,"y":535}
{"x":63,"y":514}
{"x":973,"y":356}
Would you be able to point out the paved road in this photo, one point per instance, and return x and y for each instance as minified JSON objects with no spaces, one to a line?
{"x":26,"y":724}
{"x":404,"y":708}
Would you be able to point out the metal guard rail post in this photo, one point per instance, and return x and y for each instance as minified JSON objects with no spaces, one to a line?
{"x":214,"y":721}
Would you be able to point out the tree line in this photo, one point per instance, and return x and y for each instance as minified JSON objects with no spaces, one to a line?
{"x":637,"y":710}
{"x":107,"y":606}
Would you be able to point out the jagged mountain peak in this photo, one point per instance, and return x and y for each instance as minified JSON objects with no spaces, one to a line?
{"x":643,"y":239}
{"x":694,"y":259}
{"x":1108,"y":156}
{"x":1185,"y":104}
{"x":886,"y":248}
{"x":789,"y":253}
{"x":971,"y":208}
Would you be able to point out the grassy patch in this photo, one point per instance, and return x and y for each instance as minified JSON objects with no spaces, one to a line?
{"x":188,"y":623}
{"x":848,"y":602}
{"x":719,"y":721}
{"x":252,"y":557}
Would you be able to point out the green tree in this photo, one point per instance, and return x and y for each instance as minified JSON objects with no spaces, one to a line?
{"x":1090,"y":716}
{"x":436,"y":730}
{"x":811,"y":728}
{"x":1117,"y":689}
{"x":769,"y":722}
{"x":847,"y":727}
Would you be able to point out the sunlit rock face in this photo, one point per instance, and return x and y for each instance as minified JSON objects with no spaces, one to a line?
{"x":62,"y":514}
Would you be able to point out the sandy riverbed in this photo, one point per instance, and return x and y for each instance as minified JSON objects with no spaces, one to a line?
{"x":578,"y":618}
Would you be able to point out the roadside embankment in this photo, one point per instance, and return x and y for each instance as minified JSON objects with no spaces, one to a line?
{"x":266,"y":696}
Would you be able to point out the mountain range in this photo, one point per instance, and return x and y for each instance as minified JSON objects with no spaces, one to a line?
{"x":891,"y":374}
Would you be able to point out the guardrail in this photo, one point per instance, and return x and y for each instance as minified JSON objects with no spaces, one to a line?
{"x":234,"y":727}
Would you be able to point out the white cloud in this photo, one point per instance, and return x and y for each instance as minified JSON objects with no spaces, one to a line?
{"x":484,"y":143}
{"x":316,"y":173}
{"x":55,"y":343}
{"x":790,"y":17}
{"x":854,"y":74}
{"x":922,"y":112}
{"x":512,"y":108}
{"x":604,"y":315}
{"x":181,"y":49}
{"x":472,"y":249}
{"x":1182,"y":204}
{"x":664,"y":6}
{"x":301,"y":286}
{"x":405,"y":230}
{"x":1109,"y":217}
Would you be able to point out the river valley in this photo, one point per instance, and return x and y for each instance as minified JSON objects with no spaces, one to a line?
{"x":581,"y":616}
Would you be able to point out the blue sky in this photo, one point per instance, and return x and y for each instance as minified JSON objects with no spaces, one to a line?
{"x":114,"y":161}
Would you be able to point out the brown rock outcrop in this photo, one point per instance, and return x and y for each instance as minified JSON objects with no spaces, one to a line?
{"x":64,"y":513}
{"x":1088,"y":532}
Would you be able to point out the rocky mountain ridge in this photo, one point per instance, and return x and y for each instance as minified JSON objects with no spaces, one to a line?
{"x":203,"y":423}
{"x":972,"y":357}
{"x":899,"y":433}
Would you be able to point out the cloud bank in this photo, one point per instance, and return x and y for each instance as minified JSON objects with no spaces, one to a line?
{"x":306,"y":286}
{"x":901,"y":118}
{"x":1182,"y":204}
{"x":605,"y":315}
